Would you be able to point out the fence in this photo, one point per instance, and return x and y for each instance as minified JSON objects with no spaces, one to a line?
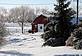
{"x":17,"y":29}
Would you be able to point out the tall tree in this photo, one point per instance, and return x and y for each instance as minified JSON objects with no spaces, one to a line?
{"x":22,"y":15}
{"x":61,"y":24}
{"x":65,"y":15}
{"x":16,"y":14}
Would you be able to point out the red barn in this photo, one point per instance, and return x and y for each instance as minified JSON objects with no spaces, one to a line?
{"x":39,"y":23}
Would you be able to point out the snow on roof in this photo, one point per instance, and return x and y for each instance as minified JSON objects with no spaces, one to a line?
{"x":47,"y":15}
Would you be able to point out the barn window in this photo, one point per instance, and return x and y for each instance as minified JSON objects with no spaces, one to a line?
{"x":40,"y":27}
{"x":35,"y":26}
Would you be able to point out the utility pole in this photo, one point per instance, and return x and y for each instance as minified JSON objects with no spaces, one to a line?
{"x":77,"y":11}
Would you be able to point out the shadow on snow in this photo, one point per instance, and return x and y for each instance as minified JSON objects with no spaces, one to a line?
{"x":14,"y":53}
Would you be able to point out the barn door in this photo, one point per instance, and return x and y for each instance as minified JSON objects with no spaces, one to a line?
{"x":40,"y":27}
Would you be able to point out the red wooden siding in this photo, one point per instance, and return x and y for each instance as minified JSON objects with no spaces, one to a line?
{"x":39,"y":20}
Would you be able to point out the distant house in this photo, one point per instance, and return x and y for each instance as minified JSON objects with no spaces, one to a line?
{"x":39,"y":23}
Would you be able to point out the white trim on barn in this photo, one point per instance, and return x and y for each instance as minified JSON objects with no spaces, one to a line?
{"x":40,"y":27}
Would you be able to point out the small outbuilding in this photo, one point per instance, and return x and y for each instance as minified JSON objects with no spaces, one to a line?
{"x":39,"y":23}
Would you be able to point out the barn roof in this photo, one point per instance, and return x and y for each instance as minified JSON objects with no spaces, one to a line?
{"x":39,"y":16}
{"x":46,"y":15}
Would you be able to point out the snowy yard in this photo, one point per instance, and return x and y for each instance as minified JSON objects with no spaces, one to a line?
{"x":31,"y":45}
{"x":61,"y":19}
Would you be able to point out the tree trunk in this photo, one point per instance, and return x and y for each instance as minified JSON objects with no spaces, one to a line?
{"x":22,"y":28}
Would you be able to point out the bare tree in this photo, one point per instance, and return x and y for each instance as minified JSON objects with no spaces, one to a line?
{"x":16,"y":14}
{"x":45,"y":11}
{"x":3,"y":13}
{"x":42,"y":11}
{"x":38,"y":10}
{"x":21,"y":15}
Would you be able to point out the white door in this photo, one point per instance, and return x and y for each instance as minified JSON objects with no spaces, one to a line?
{"x":40,"y":27}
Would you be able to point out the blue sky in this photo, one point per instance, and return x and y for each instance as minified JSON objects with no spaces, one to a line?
{"x":13,"y":3}
{"x":49,"y":3}
{"x":26,"y":1}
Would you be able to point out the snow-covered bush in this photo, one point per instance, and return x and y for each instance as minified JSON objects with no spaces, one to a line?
{"x":69,"y":41}
{"x":78,"y":38}
{"x":78,"y":44}
{"x":47,"y":35}
{"x":29,"y":31}
{"x":54,"y":42}
{"x":75,"y":39}
{"x":53,"y":39}
{"x":2,"y":33}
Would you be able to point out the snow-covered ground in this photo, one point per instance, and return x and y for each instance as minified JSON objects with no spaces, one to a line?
{"x":31,"y":45}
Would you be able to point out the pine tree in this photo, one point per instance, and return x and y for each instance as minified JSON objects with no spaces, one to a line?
{"x":65,"y":15}
{"x":61,"y":25}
